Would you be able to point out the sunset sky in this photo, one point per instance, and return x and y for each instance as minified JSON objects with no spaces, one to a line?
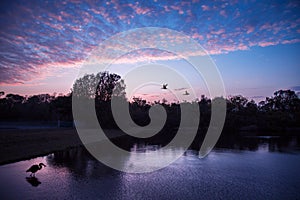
{"x":255,"y":44}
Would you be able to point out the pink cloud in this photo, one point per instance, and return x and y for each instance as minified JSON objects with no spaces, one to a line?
{"x":265,"y":44}
{"x":57,"y":17}
{"x":265,"y":26}
{"x":167,"y":9}
{"x":17,"y":83}
{"x":275,"y":27}
{"x":104,"y":13}
{"x":215,"y":48}
{"x":197,"y":36}
{"x":223,"y":13}
{"x":242,"y":47}
{"x":54,"y":25}
{"x":139,"y":10}
{"x":64,"y":14}
{"x":122,"y":17}
{"x":75,"y":28}
{"x":290,"y":41}
{"x":177,"y":8}
{"x":86,"y":17}
{"x":249,"y":29}
{"x":218,"y":32}
{"x":205,"y":7}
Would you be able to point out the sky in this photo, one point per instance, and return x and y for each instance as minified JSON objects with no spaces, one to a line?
{"x":254,"y":44}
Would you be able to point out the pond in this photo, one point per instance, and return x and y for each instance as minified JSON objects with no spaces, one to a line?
{"x":263,"y":172}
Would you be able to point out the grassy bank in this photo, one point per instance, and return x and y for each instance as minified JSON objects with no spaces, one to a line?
{"x":18,"y":145}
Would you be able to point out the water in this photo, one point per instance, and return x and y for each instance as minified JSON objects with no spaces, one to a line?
{"x":223,"y":174}
{"x":30,"y":125}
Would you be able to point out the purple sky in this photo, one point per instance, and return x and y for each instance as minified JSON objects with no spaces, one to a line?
{"x":255,"y":44}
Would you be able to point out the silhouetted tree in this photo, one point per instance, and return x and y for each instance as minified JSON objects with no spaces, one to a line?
{"x":284,"y":100}
{"x":100,"y":86}
{"x":277,"y":113}
{"x":280,"y":111}
{"x":62,"y":106}
{"x":237,"y":103}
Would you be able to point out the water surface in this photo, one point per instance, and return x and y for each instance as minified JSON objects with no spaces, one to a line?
{"x":223,"y":174}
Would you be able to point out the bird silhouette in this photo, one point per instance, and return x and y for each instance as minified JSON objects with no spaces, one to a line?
{"x":186,"y":93}
{"x":34,"y":168}
{"x":164,"y":86}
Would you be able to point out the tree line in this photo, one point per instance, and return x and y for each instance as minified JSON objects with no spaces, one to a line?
{"x":278,"y":113}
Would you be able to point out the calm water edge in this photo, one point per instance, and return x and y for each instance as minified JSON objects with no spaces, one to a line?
{"x":265,"y":169}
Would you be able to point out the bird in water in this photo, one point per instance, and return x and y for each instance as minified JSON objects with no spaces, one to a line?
{"x":34,"y":168}
{"x":186,"y":93}
{"x":164,"y":86}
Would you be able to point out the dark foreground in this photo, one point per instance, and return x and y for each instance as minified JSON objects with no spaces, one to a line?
{"x":21,"y":144}
{"x":223,"y":174}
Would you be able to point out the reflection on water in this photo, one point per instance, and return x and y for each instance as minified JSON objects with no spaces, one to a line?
{"x":261,"y":143}
{"x":270,"y":171}
{"x":33,"y":181}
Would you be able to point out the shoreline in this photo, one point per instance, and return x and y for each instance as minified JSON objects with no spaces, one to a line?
{"x":17,"y":144}
{"x":22,"y":144}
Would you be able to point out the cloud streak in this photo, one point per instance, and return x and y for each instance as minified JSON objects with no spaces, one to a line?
{"x":38,"y":36}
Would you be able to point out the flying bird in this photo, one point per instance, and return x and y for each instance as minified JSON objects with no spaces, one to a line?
{"x":34,"y":168}
{"x":164,"y":86}
{"x":186,"y":93}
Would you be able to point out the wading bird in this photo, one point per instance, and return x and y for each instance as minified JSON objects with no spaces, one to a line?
{"x":34,"y":168}
{"x":164,"y":86}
